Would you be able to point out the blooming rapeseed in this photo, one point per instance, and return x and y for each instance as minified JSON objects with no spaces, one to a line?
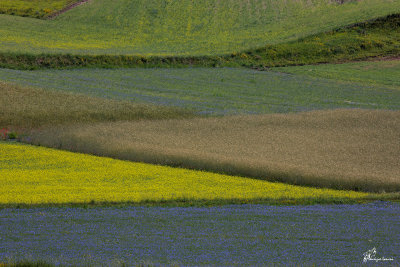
{"x":37,"y":175}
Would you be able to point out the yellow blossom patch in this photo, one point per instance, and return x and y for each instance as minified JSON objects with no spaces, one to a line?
{"x":38,"y":175}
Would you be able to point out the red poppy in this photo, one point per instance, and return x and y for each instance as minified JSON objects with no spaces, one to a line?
{"x":3,"y":133}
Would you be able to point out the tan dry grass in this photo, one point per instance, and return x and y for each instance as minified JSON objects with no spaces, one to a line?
{"x":26,"y":108}
{"x":344,"y":149}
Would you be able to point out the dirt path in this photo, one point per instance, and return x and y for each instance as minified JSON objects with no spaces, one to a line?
{"x":67,"y":8}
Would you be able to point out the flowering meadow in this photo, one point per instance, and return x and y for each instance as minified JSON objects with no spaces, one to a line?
{"x":37,"y":175}
{"x":233,"y":235}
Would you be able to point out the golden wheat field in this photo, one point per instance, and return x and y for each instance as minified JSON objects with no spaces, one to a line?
{"x":351,"y":149}
{"x":26,"y":107}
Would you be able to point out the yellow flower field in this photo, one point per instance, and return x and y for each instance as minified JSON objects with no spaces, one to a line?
{"x":37,"y":175}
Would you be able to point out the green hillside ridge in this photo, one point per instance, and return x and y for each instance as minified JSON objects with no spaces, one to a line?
{"x":182,"y":27}
{"x":374,"y":38}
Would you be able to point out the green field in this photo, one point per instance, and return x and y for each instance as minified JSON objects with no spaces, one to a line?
{"x":214,"y":91}
{"x":377,"y":39}
{"x":35,"y":175}
{"x":374,"y":38}
{"x":33,"y":8}
{"x":379,"y":73}
{"x":182,"y":27}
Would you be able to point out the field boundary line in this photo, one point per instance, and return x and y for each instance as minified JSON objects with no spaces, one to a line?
{"x":65,"y":9}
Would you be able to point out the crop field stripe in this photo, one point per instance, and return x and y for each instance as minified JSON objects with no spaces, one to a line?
{"x":382,"y":73}
{"x":244,"y":235}
{"x":216,"y":91}
{"x":25,"y":108}
{"x":37,"y":175}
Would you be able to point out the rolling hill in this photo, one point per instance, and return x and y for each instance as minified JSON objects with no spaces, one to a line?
{"x":182,"y":27}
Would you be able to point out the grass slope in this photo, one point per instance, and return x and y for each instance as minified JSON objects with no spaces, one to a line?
{"x":215,"y":91}
{"x":33,"y":8}
{"x":350,"y":149}
{"x":34,"y":175}
{"x":374,"y":38}
{"x":25,"y":108}
{"x":182,"y":27}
